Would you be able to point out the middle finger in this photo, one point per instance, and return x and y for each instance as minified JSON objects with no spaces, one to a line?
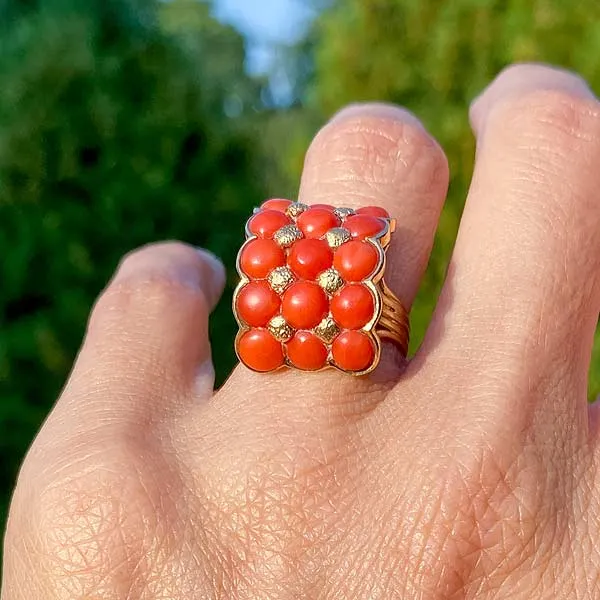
{"x":367,"y":155}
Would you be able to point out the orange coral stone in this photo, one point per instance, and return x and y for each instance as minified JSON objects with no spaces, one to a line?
{"x":316,"y":222}
{"x":353,"y":306}
{"x":306,"y":351}
{"x":363,"y":226}
{"x":308,"y":258}
{"x":276,"y":204}
{"x":353,"y":351}
{"x":373,"y":211}
{"x":304,"y":305}
{"x":266,"y":222}
{"x":257,"y":303}
{"x":356,"y":260}
{"x":259,"y":257}
{"x":260,"y":351}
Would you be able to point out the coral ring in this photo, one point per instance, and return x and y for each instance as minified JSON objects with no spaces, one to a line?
{"x":312,"y":292}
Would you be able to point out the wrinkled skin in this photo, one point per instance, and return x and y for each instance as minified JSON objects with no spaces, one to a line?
{"x":469,"y":472}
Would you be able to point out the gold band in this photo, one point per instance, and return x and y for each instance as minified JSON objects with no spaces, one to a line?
{"x":393,"y":324}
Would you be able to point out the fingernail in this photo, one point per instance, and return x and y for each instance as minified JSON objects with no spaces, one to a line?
{"x":219,"y":274}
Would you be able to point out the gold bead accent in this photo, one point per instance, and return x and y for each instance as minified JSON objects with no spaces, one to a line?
{"x":337,"y":236}
{"x":342,"y":212}
{"x":327,"y":330}
{"x":295,"y":209}
{"x":287,"y":235}
{"x":280,"y":278}
{"x":280,"y":329}
{"x":331,"y":281}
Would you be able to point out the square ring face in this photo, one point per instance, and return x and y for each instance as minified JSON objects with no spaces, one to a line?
{"x":309,"y":296}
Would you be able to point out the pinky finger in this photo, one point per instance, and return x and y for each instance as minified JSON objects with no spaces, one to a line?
{"x":147,"y":337}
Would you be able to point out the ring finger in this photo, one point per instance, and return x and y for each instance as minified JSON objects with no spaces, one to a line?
{"x":370,"y":155}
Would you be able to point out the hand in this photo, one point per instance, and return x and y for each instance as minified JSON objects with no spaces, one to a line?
{"x":469,"y":472}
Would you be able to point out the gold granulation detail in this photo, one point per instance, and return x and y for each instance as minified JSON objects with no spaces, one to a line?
{"x":327,"y":330}
{"x":330,"y":280}
{"x":295,"y":209}
{"x":342,"y":213}
{"x":280,"y":329}
{"x":280,"y":278}
{"x":337,"y":236}
{"x":287,"y":235}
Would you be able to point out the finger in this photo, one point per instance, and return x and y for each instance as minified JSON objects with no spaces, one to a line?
{"x":521,"y":302}
{"x":367,"y":155}
{"x":99,"y":470}
{"x":147,"y":342}
{"x":381,"y":155}
{"x":377,"y":154}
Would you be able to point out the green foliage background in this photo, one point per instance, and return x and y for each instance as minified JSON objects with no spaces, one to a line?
{"x":128,"y":121}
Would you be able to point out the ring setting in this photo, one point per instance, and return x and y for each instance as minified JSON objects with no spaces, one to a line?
{"x":312,"y":293}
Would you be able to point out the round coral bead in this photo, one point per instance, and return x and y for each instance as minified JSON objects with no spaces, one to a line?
{"x":276,"y":204}
{"x":353,"y":306}
{"x":308,"y":258}
{"x":266,"y":222}
{"x":316,"y":222}
{"x":304,"y":305}
{"x":363,"y":226}
{"x":373,"y":211}
{"x":257,"y":303}
{"x":356,"y":260}
{"x":325,"y":206}
{"x":260,"y":351}
{"x":353,"y":351}
{"x":259,"y":257}
{"x":306,"y":351}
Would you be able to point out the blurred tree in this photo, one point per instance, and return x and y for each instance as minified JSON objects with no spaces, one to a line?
{"x":115,"y":130}
{"x":224,"y":77}
{"x":434,"y":57}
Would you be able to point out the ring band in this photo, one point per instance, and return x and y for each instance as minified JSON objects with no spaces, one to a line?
{"x":394,"y":322}
{"x":312,"y":292}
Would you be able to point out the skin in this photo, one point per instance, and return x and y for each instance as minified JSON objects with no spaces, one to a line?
{"x":469,"y":472}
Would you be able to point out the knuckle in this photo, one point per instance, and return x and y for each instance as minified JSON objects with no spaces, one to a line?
{"x":155,"y":293}
{"x":379,"y":150}
{"x":148,"y":296}
{"x":282,"y":503}
{"x":561,"y":117}
{"x":152,"y":280}
{"x":521,"y":529}
{"x":93,"y":522}
{"x":82,"y":530}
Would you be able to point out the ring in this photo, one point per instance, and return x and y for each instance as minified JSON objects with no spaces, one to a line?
{"x":312,"y":293}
